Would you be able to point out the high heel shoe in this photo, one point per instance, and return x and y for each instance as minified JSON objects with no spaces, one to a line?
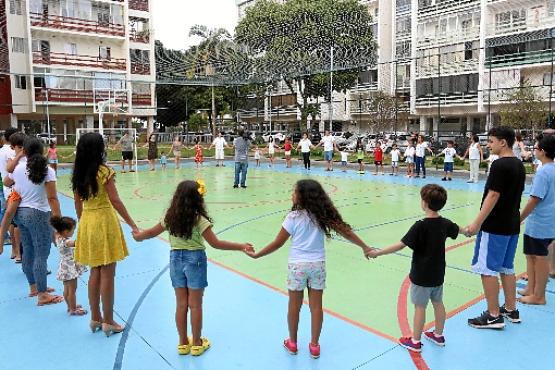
{"x":95,"y":326}
{"x":112,"y":329}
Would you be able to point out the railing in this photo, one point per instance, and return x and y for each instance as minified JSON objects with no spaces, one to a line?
{"x":449,"y":38}
{"x":138,"y":68}
{"x":365,"y":86}
{"x":454,"y":67}
{"x":431,"y":101}
{"x":76,"y":24}
{"x":79,"y":60}
{"x":508,"y":60}
{"x":141,"y":5}
{"x":144,"y":99}
{"x":426,"y":7}
{"x":522,"y":25}
{"x":501,"y":94}
{"x":71,"y":96}
{"x":142,"y":37}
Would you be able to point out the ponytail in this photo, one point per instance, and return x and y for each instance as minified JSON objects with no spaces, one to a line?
{"x":37,"y":166}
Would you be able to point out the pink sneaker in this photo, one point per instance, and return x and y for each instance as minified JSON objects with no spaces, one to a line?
{"x":290,"y":346}
{"x":437,"y":340}
{"x":314,"y":350}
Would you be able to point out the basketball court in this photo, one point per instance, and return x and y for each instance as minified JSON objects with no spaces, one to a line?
{"x":366,"y":302}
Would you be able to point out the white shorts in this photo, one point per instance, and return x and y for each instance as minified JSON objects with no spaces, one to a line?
{"x":395,"y":164}
{"x":271,"y":152}
{"x":410,"y":160}
{"x":219,"y":154}
{"x":288,"y":153}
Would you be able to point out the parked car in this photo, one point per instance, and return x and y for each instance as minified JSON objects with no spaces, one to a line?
{"x":46,"y":138}
{"x":278,"y":136}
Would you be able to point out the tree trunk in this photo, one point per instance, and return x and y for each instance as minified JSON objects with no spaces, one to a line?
{"x":213,"y":113}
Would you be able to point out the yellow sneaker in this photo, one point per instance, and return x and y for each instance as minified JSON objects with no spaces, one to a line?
{"x":199,"y":350}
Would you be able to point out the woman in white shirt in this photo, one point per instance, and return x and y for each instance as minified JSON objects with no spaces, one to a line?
{"x":35,"y":182}
{"x":305,"y":145}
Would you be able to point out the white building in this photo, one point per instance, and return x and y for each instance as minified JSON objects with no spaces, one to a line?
{"x":64,"y":56}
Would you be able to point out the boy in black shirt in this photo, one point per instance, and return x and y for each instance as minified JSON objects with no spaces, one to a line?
{"x":426,"y":238}
{"x":498,"y":228}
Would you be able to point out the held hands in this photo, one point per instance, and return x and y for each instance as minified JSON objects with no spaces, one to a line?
{"x":370,"y":252}
{"x":137,"y":234}
{"x":248,"y":249}
{"x":470,"y":230}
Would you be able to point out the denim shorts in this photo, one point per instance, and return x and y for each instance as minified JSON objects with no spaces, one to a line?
{"x":188,"y":269}
{"x":328,"y":155}
{"x":448,"y":166}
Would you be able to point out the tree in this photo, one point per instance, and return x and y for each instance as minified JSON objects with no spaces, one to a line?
{"x":294,"y":42}
{"x":525,"y":108}
{"x":382,"y":108}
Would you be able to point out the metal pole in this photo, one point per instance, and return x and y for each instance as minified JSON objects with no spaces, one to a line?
{"x":213,"y":112}
{"x":550,"y":119}
{"x":438,"y":92}
{"x":270,"y":106}
{"x":396,"y":103}
{"x":47,"y":115}
{"x":489,"y":123}
{"x":331,"y":89}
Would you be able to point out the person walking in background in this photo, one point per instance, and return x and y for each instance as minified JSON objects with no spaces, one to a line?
{"x":241,"y":145}
{"x":177,"y":146}
{"x":100,"y":243}
{"x":475,"y":156}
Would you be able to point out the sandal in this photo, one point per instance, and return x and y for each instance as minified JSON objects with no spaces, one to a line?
{"x":18,"y":260}
{"x":48,"y":290}
{"x":53,"y":299}
{"x":184,"y":349}
{"x":78,"y":312}
{"x":199,"y":350}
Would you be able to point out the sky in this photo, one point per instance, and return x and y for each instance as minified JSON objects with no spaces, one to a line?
{"x":174,"y":18}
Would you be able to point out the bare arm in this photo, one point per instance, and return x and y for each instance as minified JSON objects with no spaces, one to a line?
{"x":213,"y":240}
{"x":118,"y":204}
{"x":10,"y":166}
{"x":78,"y":202}
{"x":353,"y":238}
{"x":277,"y":243}
{"x":481,"y":153}
{"x":52,"y":196}
{"x":391,"y":249}
{"x":489,"y":203}
{"x":8,"y":182}
{"x":148,"y":233}
{"x":532,"y":203}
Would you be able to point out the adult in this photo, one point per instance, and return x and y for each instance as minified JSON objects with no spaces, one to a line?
{"x":498,"y":228}
{"x":475,"y":156}
{"x":126,"y":144}
{"x":420,"y":156}
{"x":177,"y":146}
{"x":100,"y":243}
{"x":241,"y":145}
{"x":219,"y":142}
{"x":35,"y":182}
{"x":7,"y":154}
{"x":328,"y":142}
{"x":551,"y":132}
{"x":519,"y":149}
{"x":305,"y":145}
{"x":152,"y":154}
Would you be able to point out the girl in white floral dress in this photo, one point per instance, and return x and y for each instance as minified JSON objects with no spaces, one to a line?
{"x":68,"y":270}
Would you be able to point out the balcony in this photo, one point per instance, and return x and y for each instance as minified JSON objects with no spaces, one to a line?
{"x":79,"y":61}
{"x":141,"y":5}
{"x":521,"y":25}
{"x":142,"y":37}
{"x":429,"y":41}
{"x":141,"y":99}
{"x":76,"y":24}
{"x":426,"y":7}
{"x":446,"y":68}
{"x":140,"y":68}
{"x":519,"y":59}
{"x":71,"y":96}
{"x":431,"y":101}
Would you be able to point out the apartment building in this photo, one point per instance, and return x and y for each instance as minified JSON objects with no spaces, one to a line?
{"x":66,"y":56}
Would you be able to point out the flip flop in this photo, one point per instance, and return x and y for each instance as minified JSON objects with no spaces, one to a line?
{"x":54,"y":299}
{"x":48,"y":290}
{"x":78,"y":312}
{"x":18,"y":260}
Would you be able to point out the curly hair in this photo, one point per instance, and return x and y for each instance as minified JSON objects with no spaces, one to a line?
{"x":89,"y":157}
{"x":311,"y":197}
{"x":186,"y":208}
{"x":61,"y":224}
{"x":37,"y":166}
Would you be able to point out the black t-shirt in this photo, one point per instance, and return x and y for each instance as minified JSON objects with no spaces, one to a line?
{"x":427,"y":238}
{"x":507,"y":177}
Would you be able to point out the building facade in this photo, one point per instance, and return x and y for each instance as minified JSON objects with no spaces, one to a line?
{"x":67,"y":56}
{"x":450,"y":63}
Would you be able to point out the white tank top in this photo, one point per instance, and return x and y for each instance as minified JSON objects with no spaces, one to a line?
{"x":474,"y":152}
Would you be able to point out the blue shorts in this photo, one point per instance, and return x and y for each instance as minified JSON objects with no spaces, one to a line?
{"x":328,"y":156}
{"x":448,"y":166}
{"x":494,"y":254}
{"x":188,"y":269}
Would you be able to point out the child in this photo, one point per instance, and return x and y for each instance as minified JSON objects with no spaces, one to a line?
{"x":540,"y":211}
{"x":287,"y":147}
{"x":257,"y":155}
{"x":52,"y":155}
{"x":163,"y":160}
{"x":68,"y":270}
{"x":378,"y":157}
{"x":189,"y":226}
{"x":313,"y":217}
{"x":427,"y":240}
{"x":198,"y":154}
{"x":395,"y":155}
{"x":344,"y":160}
{"x":449,"y":161}
{"x":409,"y":158}
{"x":360,"y":158}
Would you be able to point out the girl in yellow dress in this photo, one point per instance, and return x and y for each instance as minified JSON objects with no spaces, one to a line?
{"x":100,"y":243}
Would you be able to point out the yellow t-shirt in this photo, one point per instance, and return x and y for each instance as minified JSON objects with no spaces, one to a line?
{"x":196,"y":242}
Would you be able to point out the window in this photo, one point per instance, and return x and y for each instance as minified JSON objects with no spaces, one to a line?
{"x":16,"y":7}
{"x":19,"y":45}
{"x":71,"y":48}
{"x":548,"y":79}
{"x":104,"y":53}
{"x":20,"y":82}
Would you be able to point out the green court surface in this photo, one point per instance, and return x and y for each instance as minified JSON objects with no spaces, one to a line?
{"x":381,"y":209}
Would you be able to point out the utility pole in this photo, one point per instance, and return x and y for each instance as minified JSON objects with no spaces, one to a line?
{"x":331,"y":89}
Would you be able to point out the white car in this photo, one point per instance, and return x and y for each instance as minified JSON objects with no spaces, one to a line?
{"x":278,"y":137}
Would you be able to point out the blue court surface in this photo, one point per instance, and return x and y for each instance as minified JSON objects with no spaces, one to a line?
{"x":246,"y":322}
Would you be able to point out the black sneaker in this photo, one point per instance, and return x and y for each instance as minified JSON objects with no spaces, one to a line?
{"x":512,"y":316}
{"x":444,"y":179}
{"x":244,"y":186}
{"x":486,"y":321}
{"x":235,"y":186}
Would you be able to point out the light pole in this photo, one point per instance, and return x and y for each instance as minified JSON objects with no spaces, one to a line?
{"x":331,"y":89}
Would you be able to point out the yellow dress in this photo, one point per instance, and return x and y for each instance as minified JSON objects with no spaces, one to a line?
{"x":100,"y":238}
